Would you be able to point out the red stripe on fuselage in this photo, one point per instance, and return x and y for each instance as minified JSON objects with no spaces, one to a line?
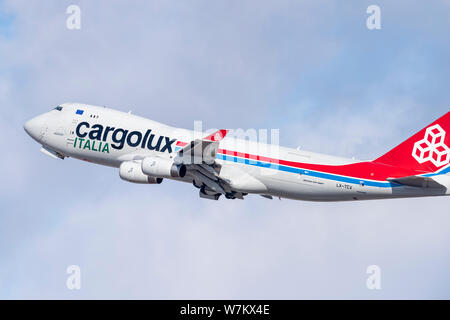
{"x":181,"y":144}
{"x":361,"y":170}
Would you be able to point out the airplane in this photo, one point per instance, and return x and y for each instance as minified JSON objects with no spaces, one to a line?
{"x":147,"y":152}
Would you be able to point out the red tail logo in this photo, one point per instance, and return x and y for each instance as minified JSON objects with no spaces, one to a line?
{"x":432,"y":147}
{"x":429,"y":148}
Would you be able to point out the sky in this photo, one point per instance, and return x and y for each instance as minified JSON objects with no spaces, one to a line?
{"x":311,"y":69}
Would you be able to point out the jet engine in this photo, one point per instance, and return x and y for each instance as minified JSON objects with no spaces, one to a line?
{"x":131,"y":171}
{"x":163,"y":167}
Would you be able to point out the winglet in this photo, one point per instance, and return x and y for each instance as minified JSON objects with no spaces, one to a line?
{"x":217,"y":136}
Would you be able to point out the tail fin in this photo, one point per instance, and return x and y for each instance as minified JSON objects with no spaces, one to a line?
{"x":427,"y":151}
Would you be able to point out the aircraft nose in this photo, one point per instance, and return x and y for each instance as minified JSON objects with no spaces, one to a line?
{"x":28,"y":126}
{"x":33,"y":127}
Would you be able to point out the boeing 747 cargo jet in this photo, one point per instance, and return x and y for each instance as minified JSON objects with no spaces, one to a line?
{"x":145,"y":151}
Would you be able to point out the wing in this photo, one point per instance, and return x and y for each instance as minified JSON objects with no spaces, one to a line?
{"x":417,"y":181}
{"x":199,"y":157}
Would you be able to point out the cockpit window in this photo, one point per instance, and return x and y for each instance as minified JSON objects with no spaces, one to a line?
{"x":59,"y":108}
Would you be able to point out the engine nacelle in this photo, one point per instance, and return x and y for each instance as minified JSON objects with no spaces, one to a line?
{"x":163,"y":167}
{"x":131,"y":171}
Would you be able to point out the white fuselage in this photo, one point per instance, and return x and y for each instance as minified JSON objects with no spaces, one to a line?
{"x":109,"y":137}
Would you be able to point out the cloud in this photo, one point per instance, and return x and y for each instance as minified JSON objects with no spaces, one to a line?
{"x":137,"y":247}
{"x":311,"y":69}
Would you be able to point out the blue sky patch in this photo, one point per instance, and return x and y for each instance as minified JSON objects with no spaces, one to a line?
{"x":6,"y":23}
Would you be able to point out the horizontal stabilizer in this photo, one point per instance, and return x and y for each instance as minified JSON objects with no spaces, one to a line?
{"x":417,"y":181}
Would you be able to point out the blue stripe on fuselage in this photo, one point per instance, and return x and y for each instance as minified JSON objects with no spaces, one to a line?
{"x":311,"y":173}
